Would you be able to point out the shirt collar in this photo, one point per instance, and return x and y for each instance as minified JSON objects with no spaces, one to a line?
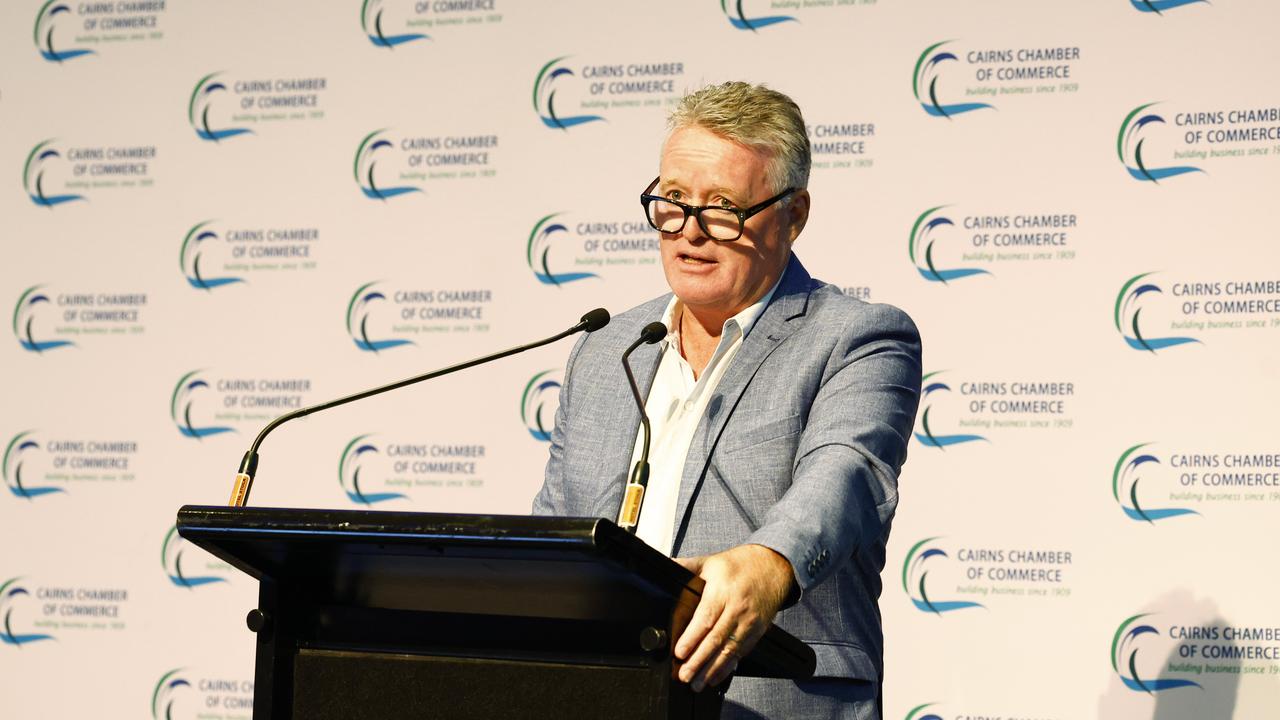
{"x":743,"y":321}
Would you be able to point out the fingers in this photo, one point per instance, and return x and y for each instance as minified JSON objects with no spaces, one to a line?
{"x":717,"y":650}
{"x":723,"y":660}
{"x":710,"y":607}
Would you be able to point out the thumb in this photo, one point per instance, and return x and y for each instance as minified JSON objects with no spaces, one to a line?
{"x":692,"y":564}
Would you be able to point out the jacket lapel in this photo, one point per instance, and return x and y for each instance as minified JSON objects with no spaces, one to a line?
{"x":774,"y":326}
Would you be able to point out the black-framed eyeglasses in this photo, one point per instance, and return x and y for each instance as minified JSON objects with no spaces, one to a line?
{"x":722,"y":224}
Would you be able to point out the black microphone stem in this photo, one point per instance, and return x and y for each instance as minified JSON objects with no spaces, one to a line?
{"x":633,"y":495}
{"x":249,"y":464}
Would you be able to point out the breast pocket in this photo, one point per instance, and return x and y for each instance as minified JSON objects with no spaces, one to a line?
{"x":752,"y":466}
{"x":737,"y":440}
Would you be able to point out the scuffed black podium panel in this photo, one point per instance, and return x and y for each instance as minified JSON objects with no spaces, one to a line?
{"x":412,"y":615}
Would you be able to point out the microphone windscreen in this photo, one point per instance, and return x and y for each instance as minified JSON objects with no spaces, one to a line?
{"x":653,"y":332}
{"x":595,"y":319}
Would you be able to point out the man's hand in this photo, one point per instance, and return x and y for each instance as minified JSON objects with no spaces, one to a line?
{"x":745,"y":587}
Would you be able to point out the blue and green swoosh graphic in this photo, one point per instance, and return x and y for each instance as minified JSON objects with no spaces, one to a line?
{"x":10,"y":591}
{"x":20,"y":447}
{"x":349,"y":467}
{"x":1130,"y":141}
{"x":33,"y":176}
{"x":1126,"y":640}
{"x":914,"y":576}
{"x":538,"y":252}
{"x":1127,"y":475}
{"x":371,"y":22}
{"x":920,"y":248}
{"x":358,"y":310}
{"x":46,"y":19}
{"x":1128,"y":315}
{"x":180,"y":408}
{"x":738,"y":17}
{"x":924,"y":83}
{"x":928,"y":437}
{"x":544,"y":97}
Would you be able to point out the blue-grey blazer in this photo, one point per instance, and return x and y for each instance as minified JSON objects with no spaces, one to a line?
{"x":799,"y":451}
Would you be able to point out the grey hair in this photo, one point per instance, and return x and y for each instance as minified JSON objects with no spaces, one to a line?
{"x":757,"y":117}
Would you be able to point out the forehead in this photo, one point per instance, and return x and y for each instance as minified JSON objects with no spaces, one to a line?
{"x":698,"y":159}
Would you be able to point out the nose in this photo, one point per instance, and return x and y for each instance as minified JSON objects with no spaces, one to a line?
{"x":692,"y":231}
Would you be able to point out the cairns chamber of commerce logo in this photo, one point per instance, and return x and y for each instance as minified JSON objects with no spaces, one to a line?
{"x":1128,"y":639}
{"x":925,"y":83}
{"x":1134,"y":132}
{"x":41,"y":157}
{"x":51,"y":13}
{"x":197,"y":239}
{"x":546,"y":232}
{"x":28,"y":307}
{"x":931,"y":390}
{"x":1135,"y":296}
{"x":918,"y":713}
{"x":353,"y":460}
{"x":915,"y":573}
{"x":19,"y":450}
{"x":198,"y":107}
{"x":1160,"y":6}
{"x":737,"y":16}
{"x":358,"y":311}
{"x":1124,"y":486}
{"x":367,"y":156}
{"x":923,"y":237}
{"x":163,"y":697}
{"x":184,"y":398}
{"x":544,"y":96}
{"x":10,"y":598}
{"x":371,"y":20}
{"x":171,"y":556}
{"x":538,"y":404}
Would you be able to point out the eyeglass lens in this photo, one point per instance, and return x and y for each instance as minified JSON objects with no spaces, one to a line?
{"x":718,"y":223}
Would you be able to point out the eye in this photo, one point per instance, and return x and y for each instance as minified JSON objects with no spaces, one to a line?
{"x":726,"y":204}
{"x":674,"y":194}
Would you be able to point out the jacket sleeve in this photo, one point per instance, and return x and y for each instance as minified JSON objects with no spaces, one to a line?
{"x":551,"y":499}
{"x":844,"y":487}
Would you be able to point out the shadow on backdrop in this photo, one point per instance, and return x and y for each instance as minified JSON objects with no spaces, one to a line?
{"x":1218,"y":679}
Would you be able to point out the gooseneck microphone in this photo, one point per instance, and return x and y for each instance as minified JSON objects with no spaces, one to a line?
{"x":633,"y":498}
{"x":590,"y":322}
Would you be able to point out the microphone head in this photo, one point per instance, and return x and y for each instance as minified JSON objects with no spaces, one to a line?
{"x":595,"y":319}
{"x":653,"y":332}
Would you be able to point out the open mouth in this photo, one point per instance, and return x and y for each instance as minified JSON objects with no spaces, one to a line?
{"x":687,"y":259}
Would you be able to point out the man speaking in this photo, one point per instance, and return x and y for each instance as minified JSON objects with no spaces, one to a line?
{"x":780,"y":412}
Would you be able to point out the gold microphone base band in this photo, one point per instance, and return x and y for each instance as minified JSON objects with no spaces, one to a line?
{"x":629,"y":516}
{"x":240,"y":491}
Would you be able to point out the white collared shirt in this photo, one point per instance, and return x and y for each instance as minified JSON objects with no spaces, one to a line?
{"x":675,"y":406}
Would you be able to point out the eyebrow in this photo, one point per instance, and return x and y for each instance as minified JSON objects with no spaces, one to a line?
{"x":674,"y":184}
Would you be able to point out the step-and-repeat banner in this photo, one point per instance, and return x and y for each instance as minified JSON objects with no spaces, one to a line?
{"x":229,"y":210}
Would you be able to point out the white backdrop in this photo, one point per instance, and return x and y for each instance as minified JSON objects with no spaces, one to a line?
{"x":231,"y":208}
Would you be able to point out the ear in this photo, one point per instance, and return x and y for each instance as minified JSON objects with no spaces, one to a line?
{"x":798,"y":212}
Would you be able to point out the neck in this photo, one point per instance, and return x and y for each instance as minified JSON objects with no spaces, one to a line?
{"x":707,"y":323}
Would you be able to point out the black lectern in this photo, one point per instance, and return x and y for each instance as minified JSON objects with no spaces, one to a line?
{"x":389,"y":615}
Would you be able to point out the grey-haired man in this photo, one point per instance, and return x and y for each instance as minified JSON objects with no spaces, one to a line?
{"x":781,"y":411}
